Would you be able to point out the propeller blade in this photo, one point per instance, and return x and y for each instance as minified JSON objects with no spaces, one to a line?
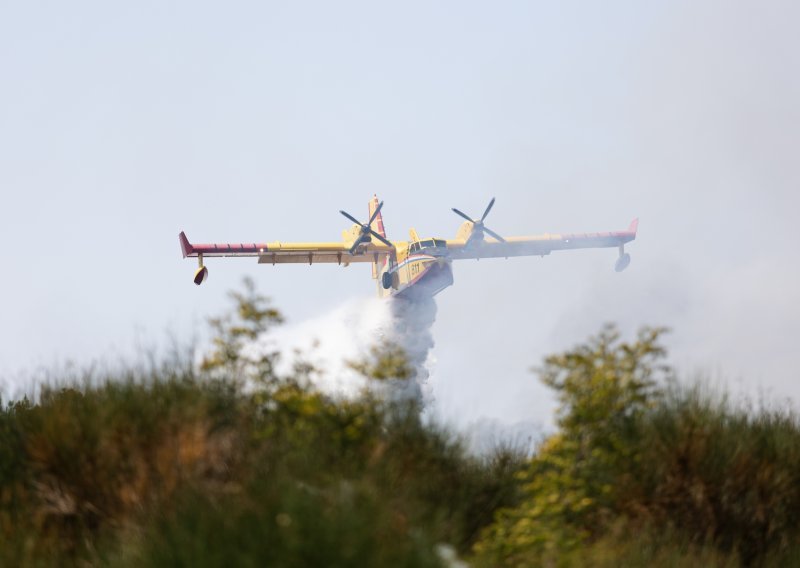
{"x":381,"y":238}
{"x":464,"y":215}
{"x":375,"y":213}
{"x":489,"y":208}
{"x":495,"y":235}
{"x":353,"y":219}
{"x":353,"y":248}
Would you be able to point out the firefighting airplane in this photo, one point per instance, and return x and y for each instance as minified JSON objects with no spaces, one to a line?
{"x":417,"y":267}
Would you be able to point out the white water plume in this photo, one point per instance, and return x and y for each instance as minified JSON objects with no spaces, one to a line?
{"x":334,"y":340}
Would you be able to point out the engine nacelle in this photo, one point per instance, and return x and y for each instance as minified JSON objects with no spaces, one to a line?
{"x":622,"y":262}
{"x":201,"y":275}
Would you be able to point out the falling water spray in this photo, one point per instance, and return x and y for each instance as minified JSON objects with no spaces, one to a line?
{"x":331,"y":342}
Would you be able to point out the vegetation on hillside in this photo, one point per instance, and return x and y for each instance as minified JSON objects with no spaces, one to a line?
{"x":228,"y":464}
{"x":644,"y":470}
{"x":231,"y":465}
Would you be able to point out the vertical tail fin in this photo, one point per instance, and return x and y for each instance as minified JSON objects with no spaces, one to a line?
{"x":377,"y":226}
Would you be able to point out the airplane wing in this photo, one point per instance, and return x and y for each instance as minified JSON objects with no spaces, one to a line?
{"x":538,"y":245}
{"x":287,"y":253}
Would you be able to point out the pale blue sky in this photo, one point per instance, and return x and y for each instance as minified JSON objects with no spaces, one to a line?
{"x":121,"y":124}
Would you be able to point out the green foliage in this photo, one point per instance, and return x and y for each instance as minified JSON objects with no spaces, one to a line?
{"x":630,"y":543}
{"x":284,"y":524}
{"x":571,"y":483}
{"x":605,"y":382}
{"x":386,"y":361}
{"x":198,"y":472}
{"x":643,"y":471}
{"x":236,"y":467}
{"x":725,"y":475}
{"x":235,"y":333}
{"x":86,"y":461}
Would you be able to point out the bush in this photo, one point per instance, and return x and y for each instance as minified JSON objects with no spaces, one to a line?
{"x":232,"y":465}
{"x":236,"y":466}
{"x":644,"y":471}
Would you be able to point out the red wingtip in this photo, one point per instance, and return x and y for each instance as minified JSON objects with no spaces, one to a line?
{"x":634,"y":226}
{"x":186,"y":247}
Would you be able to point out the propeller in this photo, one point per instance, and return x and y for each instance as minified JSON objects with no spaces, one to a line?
{"x":366,"y":233}
{"x":478,"y":227}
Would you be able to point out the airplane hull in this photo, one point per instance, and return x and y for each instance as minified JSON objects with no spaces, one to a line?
{"x":436,"y":277}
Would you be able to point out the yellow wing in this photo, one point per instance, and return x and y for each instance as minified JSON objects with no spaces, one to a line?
{"x":288,"y":253}
{"x":538,"y":245}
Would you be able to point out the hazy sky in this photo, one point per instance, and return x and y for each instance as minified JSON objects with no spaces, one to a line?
{"x":121,"y":124}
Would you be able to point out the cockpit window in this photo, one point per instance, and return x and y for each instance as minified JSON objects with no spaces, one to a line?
{"x":427,"y":244}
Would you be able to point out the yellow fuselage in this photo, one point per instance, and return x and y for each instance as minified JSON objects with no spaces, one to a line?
{"x":420,"y":268}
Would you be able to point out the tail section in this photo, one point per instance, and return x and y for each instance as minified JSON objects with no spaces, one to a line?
{"x":377,"y":226}
{"x":186,"y":248}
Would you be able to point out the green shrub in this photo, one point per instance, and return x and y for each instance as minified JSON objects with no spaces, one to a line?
{"x":236,"y":467}
{"x":724,"y":475}
{"x":644,"y":471}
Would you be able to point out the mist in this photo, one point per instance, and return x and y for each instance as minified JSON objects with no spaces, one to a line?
{"x":336,"y":342}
